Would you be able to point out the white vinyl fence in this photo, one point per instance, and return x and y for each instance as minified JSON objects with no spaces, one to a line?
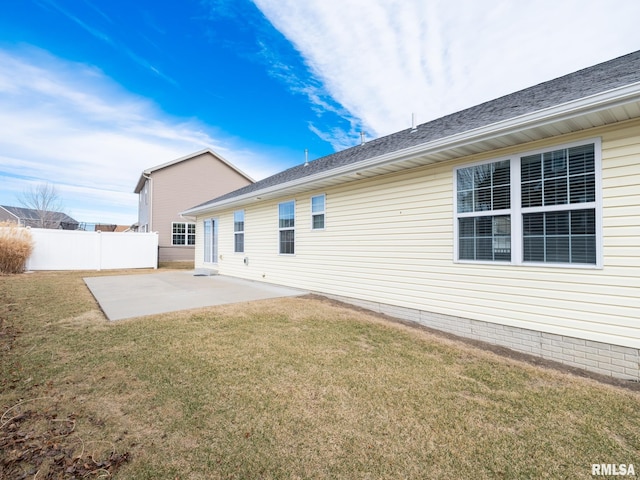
{"x":78,"y":250}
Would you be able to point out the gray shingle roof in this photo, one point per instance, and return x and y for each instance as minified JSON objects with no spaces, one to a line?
{"x":29,"y":216}
{"x":600,"y":78}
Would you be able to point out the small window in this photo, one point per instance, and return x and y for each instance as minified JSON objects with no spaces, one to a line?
{"x":317,"y":212}
{"x":286,"y":227}
{"x":238,"y":231}
{"x":183,"y":233}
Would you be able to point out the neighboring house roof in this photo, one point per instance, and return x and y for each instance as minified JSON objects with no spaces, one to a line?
{"x":110,"y":227}
{"x":31,"y":216}
{"x":149,"y":171}
{"x":605,"y":93}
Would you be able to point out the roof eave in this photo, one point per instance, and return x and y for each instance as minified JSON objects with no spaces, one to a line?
{"x":10,"y":213}
{"x":141,"y":182}
{"x":549,"y":116}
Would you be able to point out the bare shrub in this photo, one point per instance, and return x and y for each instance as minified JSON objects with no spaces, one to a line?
{"x":16,"y":244}
{"x":43,"y":199}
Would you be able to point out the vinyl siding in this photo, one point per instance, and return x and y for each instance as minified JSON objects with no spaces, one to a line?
{"x":144,"y":206}
{"x":181,"y":186}
{"x":176,"y":253}
{"x":390,"y":240}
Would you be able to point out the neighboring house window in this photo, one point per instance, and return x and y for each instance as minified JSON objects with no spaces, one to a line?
{"x":238,"y":231}
{"x":286,"y":227}
{"x":183,"y":233}
{"x":535,"y":208}
{"x":317,"y":212}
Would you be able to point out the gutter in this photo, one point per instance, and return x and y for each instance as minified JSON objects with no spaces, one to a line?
{"x":583,"y":106}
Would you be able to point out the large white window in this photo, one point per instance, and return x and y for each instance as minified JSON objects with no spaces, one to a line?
{"x":286,"y":227}
{"x":183,"y":233}
{"x":238,"y":231}
{"x":540,"y":207}
{"x":317,"y":212}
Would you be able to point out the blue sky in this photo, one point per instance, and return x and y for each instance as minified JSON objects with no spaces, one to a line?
{"x":92,"y":91}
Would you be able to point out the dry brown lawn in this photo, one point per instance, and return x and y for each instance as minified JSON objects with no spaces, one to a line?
{"x":287,"y":388}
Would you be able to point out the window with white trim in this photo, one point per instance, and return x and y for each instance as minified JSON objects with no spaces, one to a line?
{"x":317,"y":212}
{"x":484,"y":202}
{"x":238,"y":231}
{"x":286,"y":227}
{"x":183,"y":233}
{"x":540,"y":207}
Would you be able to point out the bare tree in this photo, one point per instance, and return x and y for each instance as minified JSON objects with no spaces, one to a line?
{"x":44,"y":200}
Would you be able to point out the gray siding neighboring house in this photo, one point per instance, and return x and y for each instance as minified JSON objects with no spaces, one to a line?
{"x":28,"y":217}
{"x":167,"y":189}
{"x":514,"y":222}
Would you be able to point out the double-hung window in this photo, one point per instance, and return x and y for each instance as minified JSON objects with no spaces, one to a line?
{"x":540,"y":207}
{"x":484,"y":212}
{"x":317,"y":212}
{"x":183,"y":233}
{"x":286,"y":227}
{"x":559,"y":206}
{"x":238,"y":231}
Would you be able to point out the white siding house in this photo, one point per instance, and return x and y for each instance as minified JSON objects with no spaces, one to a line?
{"x":516,"y":222}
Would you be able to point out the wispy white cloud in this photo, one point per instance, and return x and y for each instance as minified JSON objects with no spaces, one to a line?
{"x":100,"y":12}
{"x":383,"y":60}
{"x":88,"y":28}
{"x":69,"y":124}
{"x":266,"y":46}
{"x":337,"y":137}
{"x":109,"y":39}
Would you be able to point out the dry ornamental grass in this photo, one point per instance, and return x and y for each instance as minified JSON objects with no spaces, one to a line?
{"x":287,"y":388}
{"x":16,"y":245}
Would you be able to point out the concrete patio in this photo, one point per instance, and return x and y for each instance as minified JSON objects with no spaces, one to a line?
{"x":136,"y":295}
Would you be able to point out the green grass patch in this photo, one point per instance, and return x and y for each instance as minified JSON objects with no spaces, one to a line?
{"x":294,"y":388}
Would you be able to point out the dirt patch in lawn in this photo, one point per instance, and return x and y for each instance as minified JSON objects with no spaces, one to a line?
{"x":40,"y":444}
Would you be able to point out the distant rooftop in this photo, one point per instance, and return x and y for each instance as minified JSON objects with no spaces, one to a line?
{"x":34,"y":218}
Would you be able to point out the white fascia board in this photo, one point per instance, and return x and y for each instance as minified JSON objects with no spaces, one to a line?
{"x":558,"y":113}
